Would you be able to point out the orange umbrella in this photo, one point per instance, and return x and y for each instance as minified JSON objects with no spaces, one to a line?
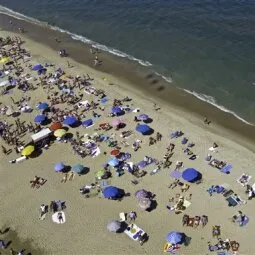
{"x":115,"y":152}
{"x":55,"y":126}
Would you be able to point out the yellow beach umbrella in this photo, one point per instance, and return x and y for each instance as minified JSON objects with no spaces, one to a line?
{"x":28,"y":150}
{"x":4,"y":60}
{"x":60,"y":132}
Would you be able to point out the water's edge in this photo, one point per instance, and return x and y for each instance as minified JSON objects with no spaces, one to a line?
{"x":138,"y":77}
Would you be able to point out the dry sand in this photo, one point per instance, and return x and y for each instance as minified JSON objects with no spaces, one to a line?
{"x":85,"y":229}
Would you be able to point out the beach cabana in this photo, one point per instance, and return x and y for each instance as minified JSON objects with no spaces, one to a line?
{"x":87,"y":123}
{"x":117,"y":111}
{"x":59,"y":167}
{"x":114,"y":226}
{"x":59,"y":133}
{"x":40,"y":118}
{"x":28,"y":150}
{"x":113,"y":162}
{"x":70,"y":121}
{"x":42,"y":106}
{"x":143,"y":117}
{"x":143,"y":129}
{"x":191,"y":175}
{"x":175,"y":237}
{"x":37,"y":67}
{"x":112,"y":192}
{"x":78,"y":168}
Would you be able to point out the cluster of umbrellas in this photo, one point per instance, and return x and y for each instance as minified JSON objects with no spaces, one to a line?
{"x":77,"y":168}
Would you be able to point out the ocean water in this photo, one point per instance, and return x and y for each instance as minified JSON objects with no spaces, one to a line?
{"x":205,"y":47}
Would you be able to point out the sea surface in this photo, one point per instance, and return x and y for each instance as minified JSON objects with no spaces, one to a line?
{"x":204,"y":47}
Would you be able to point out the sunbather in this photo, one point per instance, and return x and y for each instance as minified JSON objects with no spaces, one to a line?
{"x":64,"y":178}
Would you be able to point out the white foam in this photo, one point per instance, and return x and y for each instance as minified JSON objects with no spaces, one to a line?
{"x":211,"y":100}
{"x":167,"y":79}
{"x":97,"y":45}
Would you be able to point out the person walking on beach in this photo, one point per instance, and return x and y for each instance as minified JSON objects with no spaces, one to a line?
{"x":132,"y":216}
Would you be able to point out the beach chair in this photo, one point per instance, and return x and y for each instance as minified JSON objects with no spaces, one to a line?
{"x":244,"y":179}
{"x":122,"y":216}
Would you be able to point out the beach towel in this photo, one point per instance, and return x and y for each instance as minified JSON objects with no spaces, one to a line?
{"x":172,"y":249}
{"x":226,"y":169}
{"x":55,"y":218}
{"x":244,"y":179}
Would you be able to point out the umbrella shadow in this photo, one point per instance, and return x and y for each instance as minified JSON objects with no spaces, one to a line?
{"x":150,"y":132}
{"x":65,"y":128}
{"x":85,"y":171}
{"x":16,"y":114}
{"x":186,"y":240}
{"x":66,"y":169}
{"x":153,"y":206}
{"x":68,"y":136}
{"x":149,"y":120}
{"x":46,"y":122}
{"x":36,"y":153}
{"x":123,"y":227}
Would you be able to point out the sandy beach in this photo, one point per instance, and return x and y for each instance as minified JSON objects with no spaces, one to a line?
{"x":85,"y":229}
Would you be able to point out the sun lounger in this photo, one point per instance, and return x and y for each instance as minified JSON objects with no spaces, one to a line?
{"x":122,"y":216}
{"x":226,"y":169}
{"x":244,"y":179}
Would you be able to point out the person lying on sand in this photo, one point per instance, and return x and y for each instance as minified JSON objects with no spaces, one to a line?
{"x":64,"y":178}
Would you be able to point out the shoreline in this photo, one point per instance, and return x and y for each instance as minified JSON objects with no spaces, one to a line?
{"x":154,"y":89}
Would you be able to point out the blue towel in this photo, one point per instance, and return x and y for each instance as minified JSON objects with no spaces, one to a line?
{"x":226,"y":169}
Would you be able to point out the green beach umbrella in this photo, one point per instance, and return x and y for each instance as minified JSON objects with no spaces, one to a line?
{"x":78,"y":168}
{"x":100,"y":173}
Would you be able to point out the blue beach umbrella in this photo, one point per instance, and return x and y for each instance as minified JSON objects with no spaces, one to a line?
{"x":112,"y":192}
{"x":143,"y":129}
{"x":37,"y":67}
{"x":191,"y":175}
{"x":87,"y":123}
{"x":71,"y":120}
{"x":40,"y":118}
{"x":113,"y":162}
{"x":117,"y":110}
{"x":42,"y":106}
{"x":78,"y":168}
{"x":59,"y":167}
{"x":174,"y":237}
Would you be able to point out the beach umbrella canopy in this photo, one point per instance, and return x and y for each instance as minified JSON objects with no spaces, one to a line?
{"x":144,"y":204}
{"x":28,"y":150}
{"x":87,"y":123}
{"x":143,"y":117}
{"x":143,"y":129}
{"x":100,"y":173}
{"x":71,"y":120}
{"x":55,"y":126}
{"x":116,"y":122}
{"x":142,"y":193}
{"x":42,"y":106}
{"x":78,"y":168}
{"x":116,"y":110}
{"x":115,"y":152}
{"x":191,"y":175}
{"x":5,"y":60}
{"x":59,"y":167}
{"x":113,"y":162}
{"x":174,"y":237}
{"x":9,"y":111}
{"x":112,"y":192}
{"x":114,"y":226}
{"x":38,"y":67}
{"x":59,"y":132}
{"x":40,"y":118}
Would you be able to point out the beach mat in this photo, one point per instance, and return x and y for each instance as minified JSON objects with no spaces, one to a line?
{"x":226,"y":169}
{"x":55,"y":218}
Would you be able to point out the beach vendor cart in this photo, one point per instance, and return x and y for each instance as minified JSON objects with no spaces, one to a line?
{"x":41,"y":138}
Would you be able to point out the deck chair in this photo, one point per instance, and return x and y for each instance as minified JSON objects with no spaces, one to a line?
{"x":122,"y":216}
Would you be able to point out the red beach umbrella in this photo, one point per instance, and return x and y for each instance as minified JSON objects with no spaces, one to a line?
{"x":115,"y":152}
{"x":55,"y":126}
